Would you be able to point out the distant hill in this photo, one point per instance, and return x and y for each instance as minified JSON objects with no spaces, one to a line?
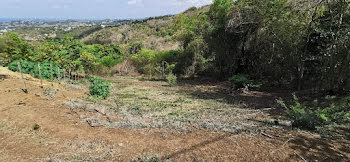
{"x":154,"y":33}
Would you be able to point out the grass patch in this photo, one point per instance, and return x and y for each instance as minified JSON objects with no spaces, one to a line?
{"x":136,"y":108}
{"x":120,"y":86}
{"x":127,"y":95}
{"x":175,"y":113}
{"x":2,"y":127}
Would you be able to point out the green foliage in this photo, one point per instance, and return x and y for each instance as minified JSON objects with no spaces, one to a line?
{"x":313,"y":118}
{"x":304,"y":117}
{"x":99,"y":88}
{"x":219,"y":12}
{"x":27,"y":66}
{"x":109,"y":61}
{"x":12,"y":47}
{"x":172,"y":79}
{"x":239,"y":81}
{"x":134,"y":47}
{"x":338,"y":111}
{"x":76,"y":56}
{"x":36,"y":126}
{"x":46,"y":71}
{"x":145,"y":61}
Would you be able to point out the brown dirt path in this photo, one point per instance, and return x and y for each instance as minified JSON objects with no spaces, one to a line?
{"x":63,"y":136}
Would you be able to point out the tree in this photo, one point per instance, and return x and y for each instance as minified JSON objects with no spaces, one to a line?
{"x":218,"y":13}
{"x":191,"y":30}
{"x":14,"y":48}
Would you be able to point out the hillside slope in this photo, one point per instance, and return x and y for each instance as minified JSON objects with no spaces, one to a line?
{"x":154,"y":33}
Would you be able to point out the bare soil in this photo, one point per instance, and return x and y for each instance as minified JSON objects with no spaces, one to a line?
{"x":65,"y":135}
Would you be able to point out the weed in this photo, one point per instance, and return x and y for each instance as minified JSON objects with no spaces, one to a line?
{"x":136,"y":108}
{"x":303,"y":116}
{"x":99,"y":88}
{"x":36,"y":126}
{"x":239,"y":81}
{"x":175,"y":113}
{"x":171,"y":78}
{"x":1,"y":127}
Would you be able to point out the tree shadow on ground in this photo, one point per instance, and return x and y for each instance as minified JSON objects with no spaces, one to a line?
{"x":221,"y":92}
{"x":196,"y":146}
{"x":3,"y":76}
{"x":320,"y":149}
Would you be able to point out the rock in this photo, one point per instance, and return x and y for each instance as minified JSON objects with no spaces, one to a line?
{"x":53,"y":160}
{"x":101,"y":110}
{"x":94,"y":122}
{"x":37,"y":95}
{"x":120,"y":144}
{"x":83,"y":117}
{"x":21,"y":103}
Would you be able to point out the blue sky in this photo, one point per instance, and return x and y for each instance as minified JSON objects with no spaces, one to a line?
{"x":94,"y":9}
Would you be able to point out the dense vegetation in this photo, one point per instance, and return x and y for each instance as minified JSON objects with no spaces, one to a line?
{"x":274,"y":41}
{"x":32,"y":68}
{"x":67,"y":53}
{"x":252,"y":43}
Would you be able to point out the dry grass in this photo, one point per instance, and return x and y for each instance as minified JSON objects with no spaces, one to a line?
{"x":65,"y":135}
{"x":135,"y":103}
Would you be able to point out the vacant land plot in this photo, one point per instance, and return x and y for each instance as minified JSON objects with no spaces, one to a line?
{"x":144,"y":119}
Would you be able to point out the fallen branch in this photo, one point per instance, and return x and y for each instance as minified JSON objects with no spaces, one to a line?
{"x":300,"y":157}
{"x":266,"y":135}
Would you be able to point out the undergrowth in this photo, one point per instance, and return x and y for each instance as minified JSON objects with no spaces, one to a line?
{"x":99,"y":88}
{"x":314,"y":118}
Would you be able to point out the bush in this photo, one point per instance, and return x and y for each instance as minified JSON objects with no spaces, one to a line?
{"x":171,"y":78}
{"x":304,"y":117}
{"x":36,"y":126}
{"x":145,"y":61}
{"x":32,"y":68}
{"x":109,"y":61}
{"x":338,"y":111}
{"x":239,"y":81}
{"x":99,"y":88}
{"x":46,"y":71}
{"x":27,"y":66}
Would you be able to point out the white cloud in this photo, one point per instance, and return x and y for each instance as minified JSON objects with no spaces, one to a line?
{"x":134,"y":2}
{"x":196,"y":3}
{"x":60,"y":4}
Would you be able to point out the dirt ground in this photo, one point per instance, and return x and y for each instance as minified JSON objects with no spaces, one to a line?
{"x":64,"y":135}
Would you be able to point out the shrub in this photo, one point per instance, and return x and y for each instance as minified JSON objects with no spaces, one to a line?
{"x":36,"y":126}
{"x":32,"y":68}
{"x":338,"y":111}
{"x":27,"y":66}
{"x":109,"y":61}
{"x":239,"y":81}
{"x":99,"y":88}
{"x":46,"y":71}
{"x":145,"y":61}
{"x":171,"y":78}
{"x":304,"y":117}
